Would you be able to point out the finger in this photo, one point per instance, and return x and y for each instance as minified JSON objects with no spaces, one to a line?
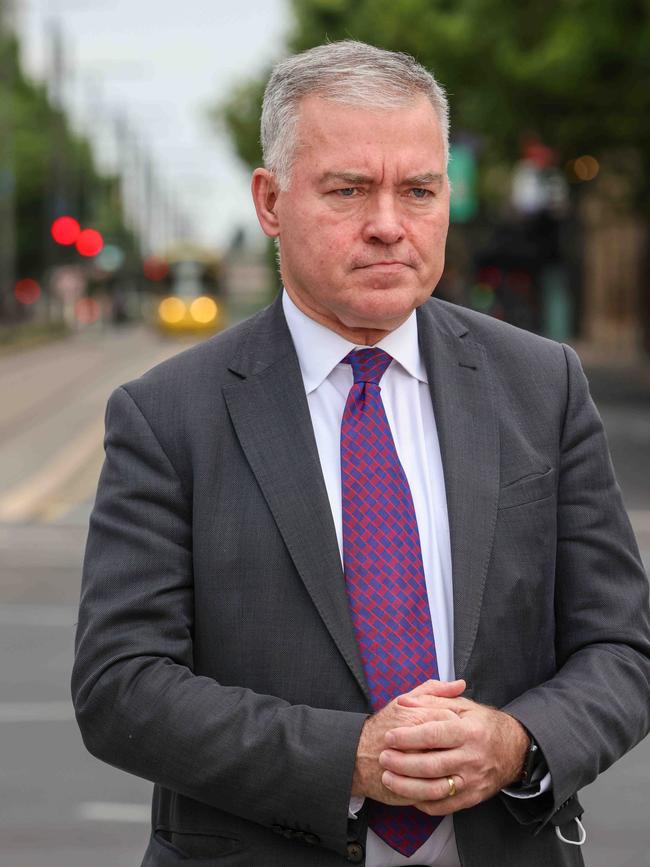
{"x":447,"y":806}
{"x":419,"y":715}
{"x":427,"y":700}
{"x":437,"y":734}
{"x":427,"y":765}
{"x":444,"y":688}
{"x":418,"y":789}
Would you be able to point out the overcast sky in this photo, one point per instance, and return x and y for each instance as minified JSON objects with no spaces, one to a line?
{"x":163,"y":63}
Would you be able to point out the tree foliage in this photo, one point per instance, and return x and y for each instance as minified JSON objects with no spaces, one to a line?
{"x":573,"y":72}
{"x":50,"y":168}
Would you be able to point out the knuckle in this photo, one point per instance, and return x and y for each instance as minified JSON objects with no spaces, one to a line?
{"x":396,"y":785}
{"x":431,"y":766}
{"x":475,"y":759}
{"x":431,"y":730}
{"x":433,"y":792}
{"x":395,"y":741}
{"x":432,"y":716}
{"x":389,"y":759}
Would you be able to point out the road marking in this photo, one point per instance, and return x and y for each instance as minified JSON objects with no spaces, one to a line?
{"x":21,"y":502}
{"x":107,"y":811}
{"x":36,"y":711}
{"x":79,"y":491}
{"x":37,"y":615}
{"x":42,"y":405}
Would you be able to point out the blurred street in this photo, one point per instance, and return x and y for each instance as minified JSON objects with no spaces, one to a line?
{"x":58,"y":806}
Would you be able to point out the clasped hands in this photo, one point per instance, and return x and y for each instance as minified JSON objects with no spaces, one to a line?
{"x":410,"y":749}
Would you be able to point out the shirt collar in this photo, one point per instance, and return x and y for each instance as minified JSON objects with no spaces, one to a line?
{"x":319,"y":349}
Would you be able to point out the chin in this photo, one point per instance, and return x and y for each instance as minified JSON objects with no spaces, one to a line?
{"x":389,"y":302}
{"x":378,"y":317}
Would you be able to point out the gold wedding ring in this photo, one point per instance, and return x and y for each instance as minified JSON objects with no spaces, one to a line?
{"x":452,"y":787}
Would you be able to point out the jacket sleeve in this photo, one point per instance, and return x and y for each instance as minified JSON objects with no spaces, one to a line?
{"x":139,"y":705}
{"x":597,"y":706}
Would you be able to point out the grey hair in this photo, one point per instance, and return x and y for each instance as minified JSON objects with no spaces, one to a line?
{"x":347,"y":72}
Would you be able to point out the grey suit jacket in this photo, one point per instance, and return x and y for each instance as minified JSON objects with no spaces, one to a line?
{"x":215,"y":654}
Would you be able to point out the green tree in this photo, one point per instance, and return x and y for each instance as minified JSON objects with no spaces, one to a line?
{"x":51,"y":170}
{"x":574,"y":72}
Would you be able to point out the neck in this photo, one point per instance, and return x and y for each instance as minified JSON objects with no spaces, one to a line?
{"x":361,"y":336}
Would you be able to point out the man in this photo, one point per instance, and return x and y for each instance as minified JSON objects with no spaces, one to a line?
{"x":309,"y":526}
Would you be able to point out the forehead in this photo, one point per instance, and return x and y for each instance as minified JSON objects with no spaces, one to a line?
{"x":333,"y":135}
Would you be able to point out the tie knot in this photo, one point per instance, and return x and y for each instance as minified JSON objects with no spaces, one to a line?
{"x":368,"y":365}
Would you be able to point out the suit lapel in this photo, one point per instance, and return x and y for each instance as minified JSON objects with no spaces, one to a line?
{"x":269,"y":411}
{"x":463,"y":402}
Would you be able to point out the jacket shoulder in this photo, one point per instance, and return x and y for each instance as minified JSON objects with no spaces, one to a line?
{"x":203,"y":366}
{"x":500,"y":340}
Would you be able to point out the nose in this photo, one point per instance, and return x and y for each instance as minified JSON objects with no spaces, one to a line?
{"x":383,"y":222}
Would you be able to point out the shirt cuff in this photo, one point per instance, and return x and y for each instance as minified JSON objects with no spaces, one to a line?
{"x":356,"y":803}
{"x":533,"y":791}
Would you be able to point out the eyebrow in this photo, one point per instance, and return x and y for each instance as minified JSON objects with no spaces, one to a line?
{"x":347,"y":177}
{"x":424,"y":179}
{"x":427,"y":178}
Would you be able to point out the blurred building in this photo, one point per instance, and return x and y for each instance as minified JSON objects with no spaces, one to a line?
{"x":565,"y":254}
{"x":615,"y":312}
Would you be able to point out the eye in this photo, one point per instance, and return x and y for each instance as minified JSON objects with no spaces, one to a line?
{"x":346,"y":192}
{"x":420,"y":193}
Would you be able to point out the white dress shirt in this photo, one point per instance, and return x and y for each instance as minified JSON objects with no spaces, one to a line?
{"x":407,"y":401}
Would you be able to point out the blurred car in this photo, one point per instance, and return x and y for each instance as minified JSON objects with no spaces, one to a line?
{"x":190,"y":306}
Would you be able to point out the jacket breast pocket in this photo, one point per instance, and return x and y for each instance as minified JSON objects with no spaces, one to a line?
{"x":528,"y":489}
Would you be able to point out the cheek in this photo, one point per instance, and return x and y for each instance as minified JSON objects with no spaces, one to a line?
{"x":435,"y":226}
{"x":328,"y":241}
{"x":316,"y":247}
{"x":430,"y":239}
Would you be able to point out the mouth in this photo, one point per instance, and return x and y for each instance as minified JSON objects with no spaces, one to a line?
{"x":386,"y":265}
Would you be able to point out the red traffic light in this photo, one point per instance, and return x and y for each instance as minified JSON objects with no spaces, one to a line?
{"x":27,"y":291}
{"x":89,"y":242}
{"x":65,"y":230}
{"x":155,"y":268}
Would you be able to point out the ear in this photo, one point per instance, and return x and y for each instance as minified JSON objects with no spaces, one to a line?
{"x":264,"y":188}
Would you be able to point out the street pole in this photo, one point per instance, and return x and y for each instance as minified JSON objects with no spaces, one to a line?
{"x":7,"y":170}
{"x":56,"y":198}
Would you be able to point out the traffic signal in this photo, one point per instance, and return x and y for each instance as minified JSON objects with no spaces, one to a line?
{"x":65,"y":231}
{"x":27,"y":291}
{"x":155,"y":268}
{"x":89,"y":242}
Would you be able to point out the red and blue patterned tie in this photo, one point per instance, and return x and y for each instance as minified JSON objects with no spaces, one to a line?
{"x":383,"y":571}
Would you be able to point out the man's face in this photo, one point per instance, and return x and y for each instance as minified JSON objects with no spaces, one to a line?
{"x":363,"y":224}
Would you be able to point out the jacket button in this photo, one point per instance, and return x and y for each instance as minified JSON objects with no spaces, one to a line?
{"x":355,"y":853}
